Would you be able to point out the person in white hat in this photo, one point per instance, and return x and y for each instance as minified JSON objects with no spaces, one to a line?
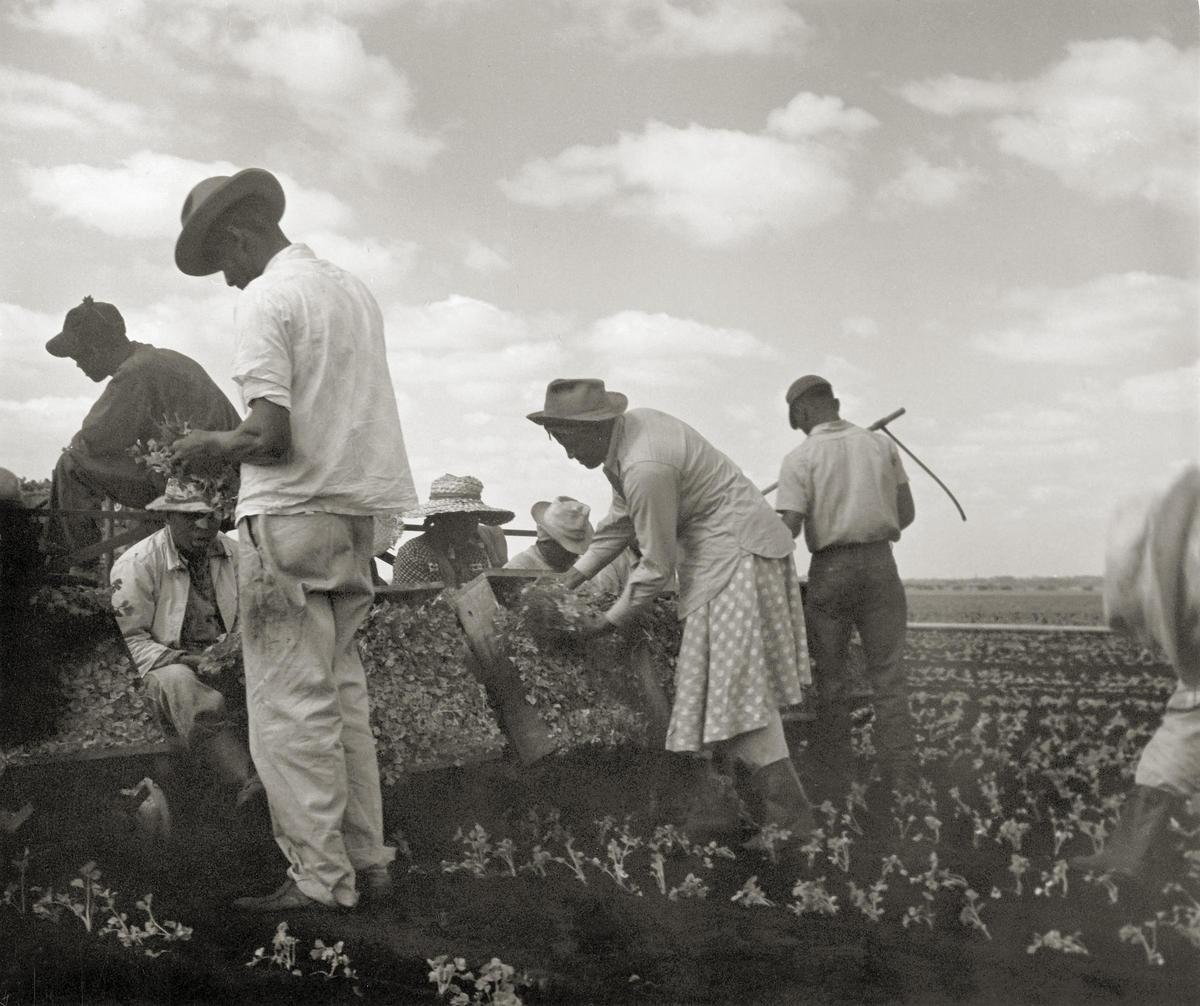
{"x":321,"y":455}
{"x":174,"y":594}
{"x":692,"y":512}
{"x":563,"y":535}
{"x":461,"y":537}
{"x":1152,"y":592}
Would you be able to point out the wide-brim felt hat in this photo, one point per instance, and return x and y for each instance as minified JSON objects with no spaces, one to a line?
{"x":460,"y":494}
{"x":208,"y":200}
{"x":182,"y":497}
{"x":579,"y":400}
{"x":566,"y":521}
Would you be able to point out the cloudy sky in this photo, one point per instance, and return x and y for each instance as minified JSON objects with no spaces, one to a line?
{"x":985,"y":212}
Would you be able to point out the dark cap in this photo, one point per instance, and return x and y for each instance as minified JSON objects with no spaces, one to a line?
{"x":803,"y":385}
{"x":84,"y":323}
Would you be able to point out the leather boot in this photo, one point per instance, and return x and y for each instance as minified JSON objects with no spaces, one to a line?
{"x":783,"y":801}
{"x":708,"y":806}
{"x":1129,"y":851}
{"x":828,"y":758}
{"x":226,"y":756}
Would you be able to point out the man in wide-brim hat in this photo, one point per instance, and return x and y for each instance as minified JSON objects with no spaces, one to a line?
{"x":693,"y":513}
{"x":461,"y":537}
{"x":175,"y":593}
{"x":322,"y":456}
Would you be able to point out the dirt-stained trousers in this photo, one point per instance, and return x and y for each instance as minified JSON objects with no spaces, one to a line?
{"x":305,"y":588}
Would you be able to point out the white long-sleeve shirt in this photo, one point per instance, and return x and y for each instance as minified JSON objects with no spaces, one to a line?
{"x":310,"y":338}
{"x":152,"y":596}
{"x":689,"y":508}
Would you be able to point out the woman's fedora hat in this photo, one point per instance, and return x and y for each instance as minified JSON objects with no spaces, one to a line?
{"x":579,"y":399}
{"x":208,"y":200}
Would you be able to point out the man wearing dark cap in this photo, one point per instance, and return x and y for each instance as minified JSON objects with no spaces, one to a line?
{"x":845,"y":487}
{"x":147,"y":385}
{"x":321,"y":455}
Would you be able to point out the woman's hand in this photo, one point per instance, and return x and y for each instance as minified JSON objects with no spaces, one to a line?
{"x":593,"y":625}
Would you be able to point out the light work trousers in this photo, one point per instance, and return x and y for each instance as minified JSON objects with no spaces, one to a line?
{"x":185,"y":705}
{"x":1171,"y":759}
{"x":305,"y":588}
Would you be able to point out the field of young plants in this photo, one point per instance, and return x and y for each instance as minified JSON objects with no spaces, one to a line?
{"x":572,"y":883}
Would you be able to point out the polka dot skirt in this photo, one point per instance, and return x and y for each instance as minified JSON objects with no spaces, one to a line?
{"x":743,"y":655}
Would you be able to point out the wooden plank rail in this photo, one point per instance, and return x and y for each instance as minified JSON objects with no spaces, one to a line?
{"x":1034,"y":627}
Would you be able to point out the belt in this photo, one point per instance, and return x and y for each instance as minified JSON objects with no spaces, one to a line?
{"x":854,"y":546}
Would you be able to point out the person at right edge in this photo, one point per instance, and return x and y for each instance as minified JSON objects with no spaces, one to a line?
{"x":845,"y":487}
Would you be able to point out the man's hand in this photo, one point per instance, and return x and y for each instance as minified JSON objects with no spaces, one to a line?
{"x":593,"y":625}
{"x":192,"y":660}
{"x":198,"y":450}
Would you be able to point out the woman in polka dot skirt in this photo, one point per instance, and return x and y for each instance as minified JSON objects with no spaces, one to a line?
{"x":696,"y":517}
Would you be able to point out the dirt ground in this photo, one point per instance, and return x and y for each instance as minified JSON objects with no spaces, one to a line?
{"x":577,"y":943}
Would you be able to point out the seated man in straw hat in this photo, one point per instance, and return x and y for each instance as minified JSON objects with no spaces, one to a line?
{"x":461,"y":536}
{"x":694,"y":513}
{"x":175,"y":593}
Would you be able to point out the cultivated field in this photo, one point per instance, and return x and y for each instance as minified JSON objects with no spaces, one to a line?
{"x":574,"y":877}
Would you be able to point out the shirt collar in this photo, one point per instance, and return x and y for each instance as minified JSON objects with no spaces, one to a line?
{"x":612,"y":463}
{"x":833,"y":426}
{"x":292,"y":251}
{"x":175,"y":559}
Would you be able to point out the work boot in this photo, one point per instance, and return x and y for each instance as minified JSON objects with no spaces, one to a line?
{"x":782,"y":802}
{"x":828,"y":757}
{"x":226,"y":756}
{"x":1129,"y":851}
{"x":709,"y":807}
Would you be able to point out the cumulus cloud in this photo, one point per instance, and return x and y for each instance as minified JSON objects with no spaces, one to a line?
{"x":687,"y":28}
{"x":471,"y":351}
{"x":322,"y":67}
{"x":860,"y":327}
{"x":1165,"y":392}
{"x":645,"y":351}
{"x":923,"y":183}
{"x":482,"y":259}
{"x":141,"y":198}
{"x":35,"y":101}
{"x":307,"y":60}
{"x":82,"y":19}
{"x":1107,"y":319}
{"x":716,"y":185}
{"x":1115,"y":118}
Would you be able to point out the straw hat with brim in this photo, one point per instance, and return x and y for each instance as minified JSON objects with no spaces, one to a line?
{"x":86,"y":322}
{"x":566,"y":521}
{"x":460,"y":494}
{"x":208,"y":200}
{"x":181,"y":497}
{"x":579,"y":400}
